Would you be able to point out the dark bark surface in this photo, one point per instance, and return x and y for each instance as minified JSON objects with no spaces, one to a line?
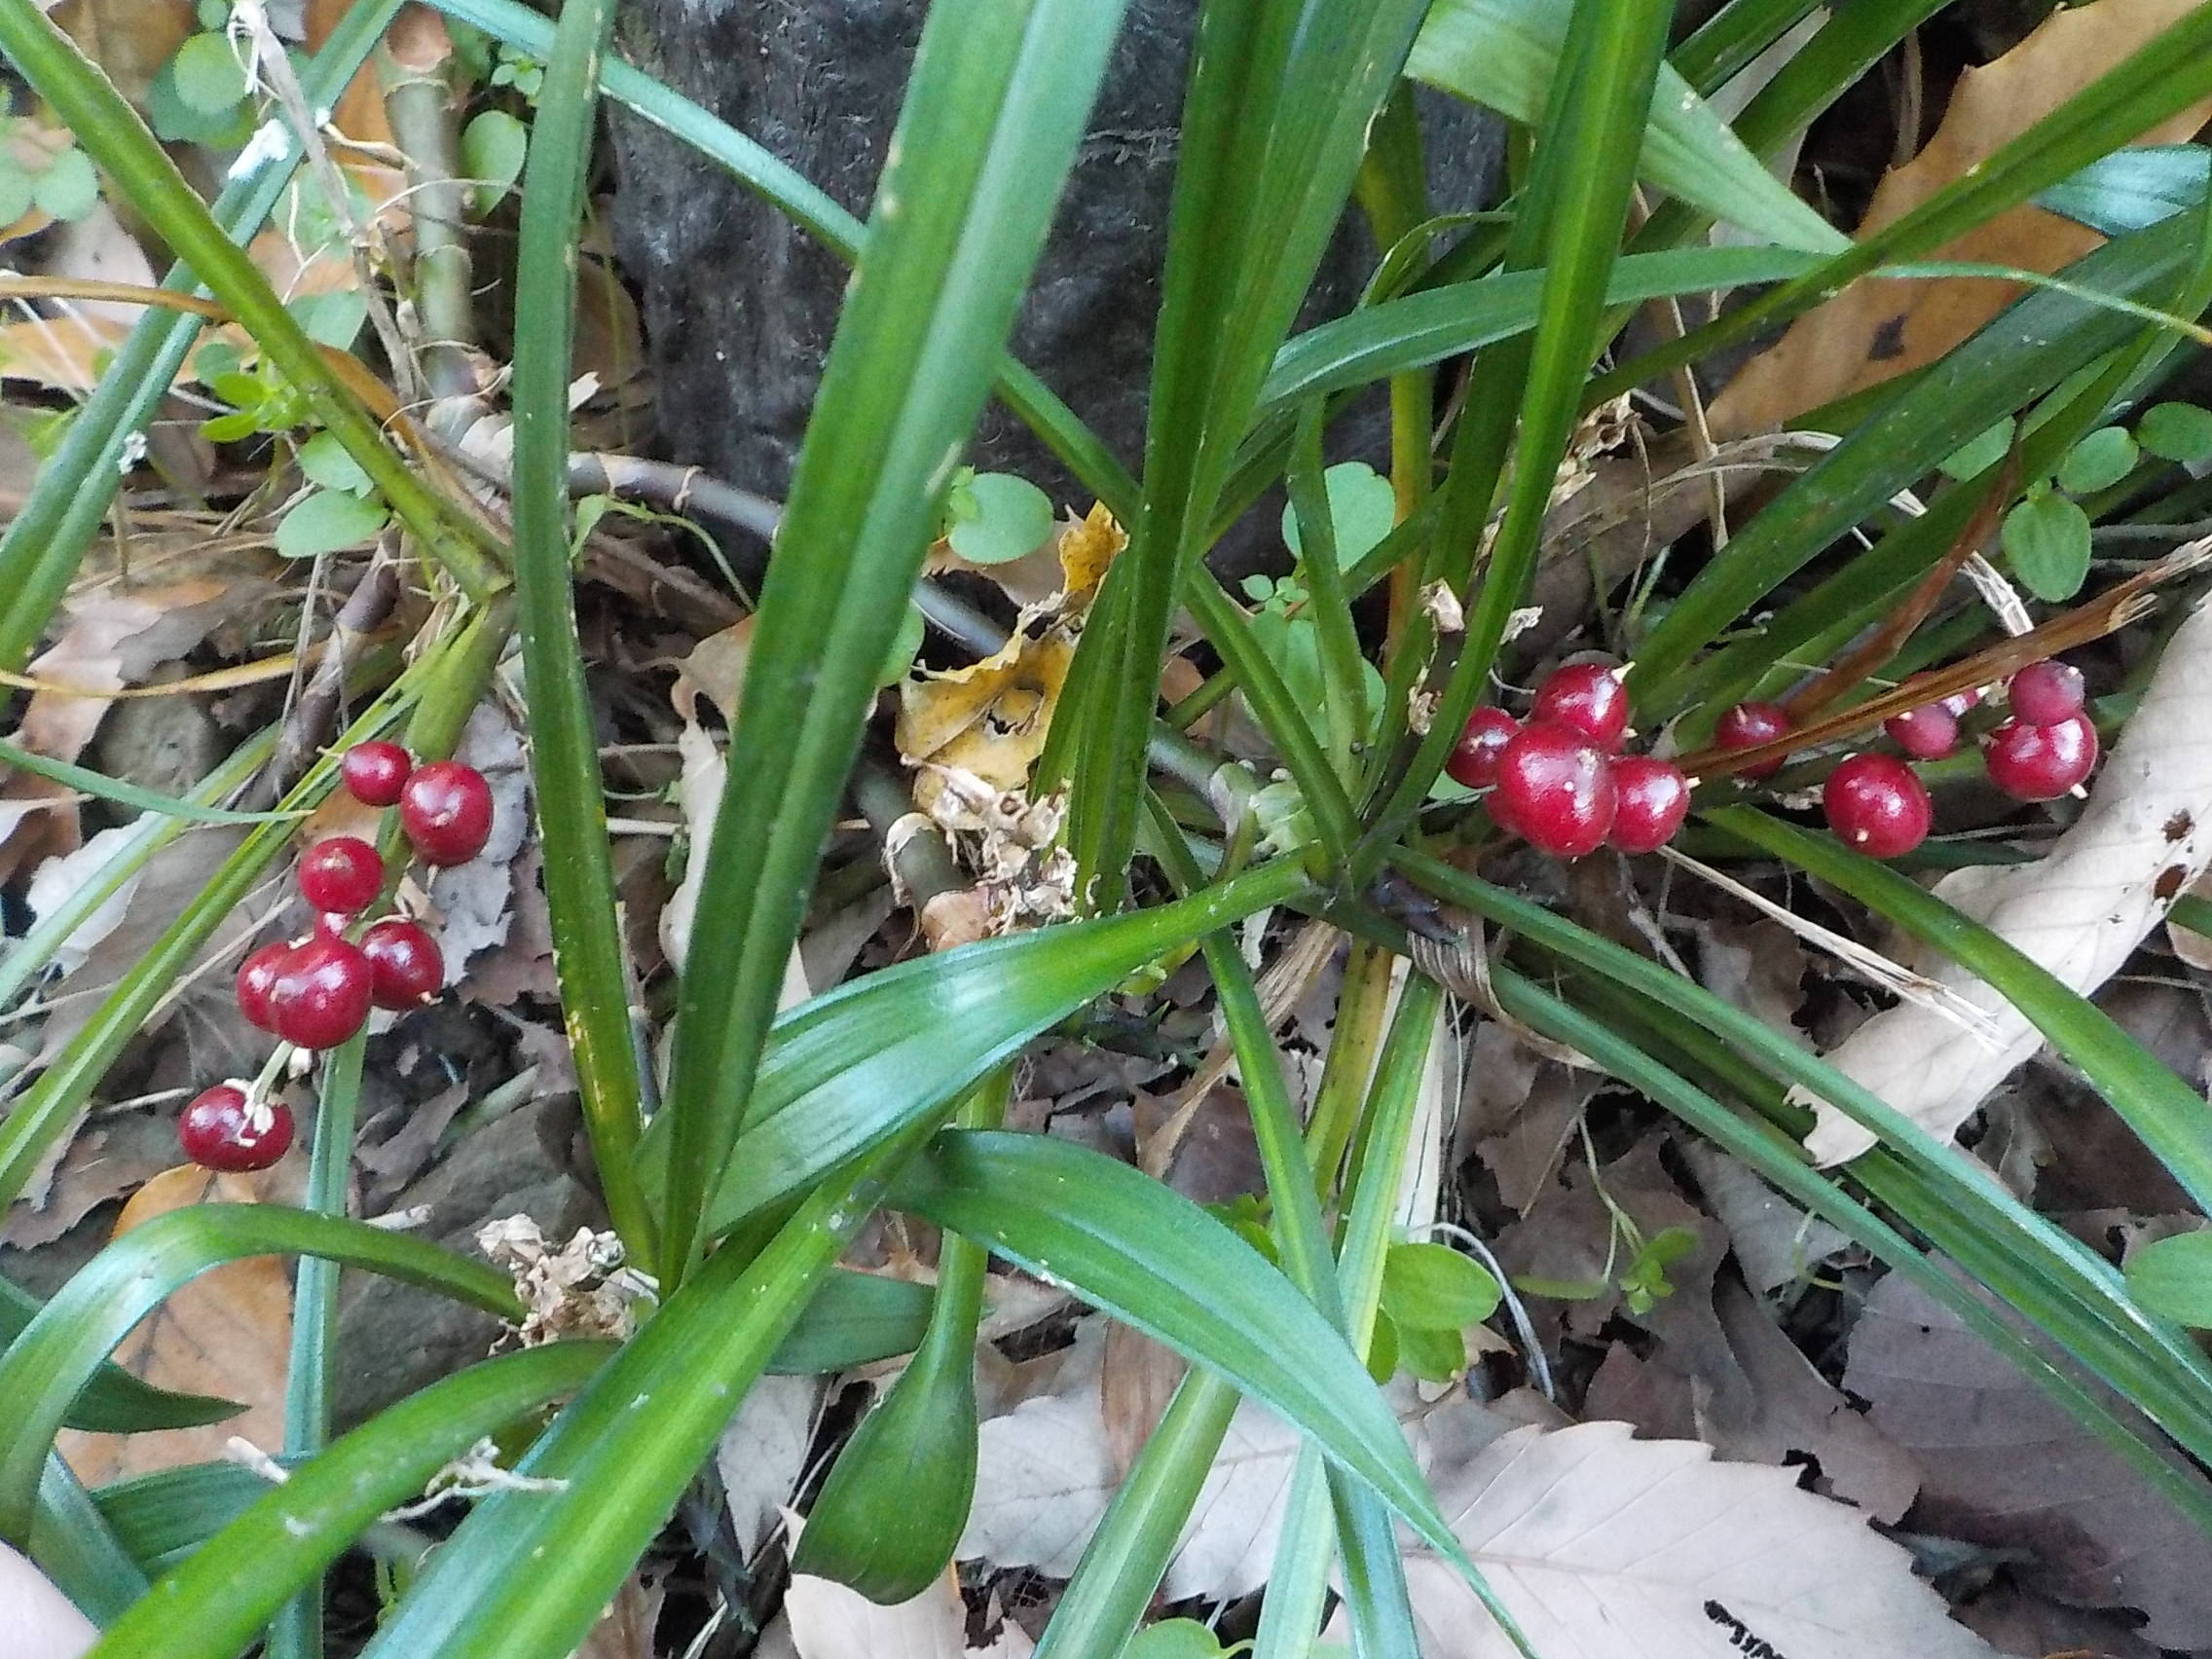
{"x":740,"y":306}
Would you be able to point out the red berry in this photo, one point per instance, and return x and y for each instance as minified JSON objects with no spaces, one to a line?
{"x":341,"y":874}
{"x":446,"y":812}
{"x":257,"y":977}
{"x":406,"y":968}
{"x":1556,"y":790}
{"x":1588,"y":697}
{"x":1878,"y":805}
{"x":222,"y":1130}
{"x":2036,"y":763}
{"x":1654,"y":800}
{"x":2045,"y":693}
{"x":1747,"y":724}
{"x":1926,"y":733}
{"x":1473,"y":760}
{"x":373,"y":773}
{"x":322,"y":995}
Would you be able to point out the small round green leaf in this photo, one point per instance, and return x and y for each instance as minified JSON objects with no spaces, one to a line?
{"x":1980,"y":454}
{"x":2098,"y":462}
{"x":2047,"y":538}
{"x":493,"y":148}
{"x":209,"y":78}
{"x":1012,"y":517}
{"x":2176,"y":431}
{"x":1434,"y":1288}
{"x":1432,"y":1354}
{"x":16,"y":189}
{"x":2174,"y":1277}
{"x":1174,"y":1638}
{"x":325,"y":522}
{"x":1362,"y":508}
{"x":332,"y":318}
{"x":324,"y":458}
{"x":70,"y":186}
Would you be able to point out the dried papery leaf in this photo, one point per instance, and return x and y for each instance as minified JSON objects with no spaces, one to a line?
{"x":989,"y":719}
{"x":761,"y":1457}
{"x":625,"y":1630}
{"x":474,"y":901}
{"x":226,"y":1332}
{"x":1602,"y":1544}
{"x":821,"y":1619}
{"x":2080,"y":911}
{"x":114,"y":638}
{"x":2004,"y":1467}
{"x":1881,"y":327}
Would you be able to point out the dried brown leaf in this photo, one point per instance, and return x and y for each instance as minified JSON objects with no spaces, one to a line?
{"x":1881,"y":327}
{"x":226,"y":1332}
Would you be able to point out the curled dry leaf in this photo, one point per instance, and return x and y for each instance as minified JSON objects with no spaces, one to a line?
{"x":582,"y":1289}
{"x":762,"y":1455}
{"x":226,"y":1332}
{"x":821,"y":1619}
{"x":1602,"y":1544}
{"x":2080,"y":911}
{"x":1882,"y":327}
{"x":2004,"y":1467}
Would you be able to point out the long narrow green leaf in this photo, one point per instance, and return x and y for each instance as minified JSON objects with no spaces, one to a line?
{"x":1732,"y":37}
{"x":310,"y":1376}
{"x":1586,"y":161}
{"x":212,"y":1605}
{"x":850,"y":1067}
{"x":1055,"y":425}
{"x":2162,"y":78}
{"x":99,"y":118}
{"x":1505,"y":53}
{"x":113,"y":1401}
{"x":1776,"y":1161}
{"x":1426,"y":327}
{"x":1156,"y":1261}
{"x":588,"y":954}
{"x":626,"y":1447}
{"x":47,"y":1365}
{"x":68,"y":502}
{"x":2025,"y":352}
{"x":2167,"y":1115}
{"x":998,"y":99}
{"x":2187,"y":1377}
{"x":105,"y":787}
{"x":1281,"y":99}
{"x":72,"y":1541}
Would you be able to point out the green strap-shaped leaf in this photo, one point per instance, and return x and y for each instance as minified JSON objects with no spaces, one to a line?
{"x":100,"y":784}
{"x":2167,"y":1114}
{"x":47,"y":1365}
{"x":212,"y":1606}
{"x":2132,"y":188}
{"x":1157,"y":1262}
{"x":1000,"y":93}
{"x":1382,"y":340}
{"x":1505,"y":53}
{"x":114,"y":1402}
{"x":848,"y":1068}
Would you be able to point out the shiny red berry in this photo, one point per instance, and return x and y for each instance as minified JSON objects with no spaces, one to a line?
{"x":1926,"y":733}
{"x":446,"y":812}
{"x":341,"y":874}
{"x":1749,"y":724}
{"x":257,"y":977}
{"x":2037,"y":762}
{"x":373,"y":773}
{"x":1588,"y":697}
{"x":1556,"y":790}
{"x":2045,"y":693}
{"x":1877,"y":804}
{"x":1654,"y":797}
{"x":1473,"y":760}
{"x":322,"y":996}
{"x":222,"y":1130}
{"x":406,"y":968}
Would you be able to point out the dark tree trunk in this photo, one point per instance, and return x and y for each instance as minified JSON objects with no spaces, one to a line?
{"x":739,"y":305}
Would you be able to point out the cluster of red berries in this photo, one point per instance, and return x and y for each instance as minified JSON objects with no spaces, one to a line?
{"x":1877,"y":804}
{"x":1558,"y":779}
{"x":316,"y":992}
